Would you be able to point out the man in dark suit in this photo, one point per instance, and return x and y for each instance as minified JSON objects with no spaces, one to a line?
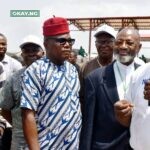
{"x":103,"y":87}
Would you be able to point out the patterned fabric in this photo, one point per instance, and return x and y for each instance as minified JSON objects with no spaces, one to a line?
{"x":52,"y":91}
{"x":10,"y":100}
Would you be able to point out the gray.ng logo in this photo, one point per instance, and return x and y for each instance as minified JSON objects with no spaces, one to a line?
{"x":24,"y":13}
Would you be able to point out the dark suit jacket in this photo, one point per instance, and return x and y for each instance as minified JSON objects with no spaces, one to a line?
{"x":100,"y":130}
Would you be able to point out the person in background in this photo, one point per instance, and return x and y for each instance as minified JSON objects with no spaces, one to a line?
{"x":50,"y":97}
{"x":11,"y":93}
{"x":104,"y":44}
{"x":103,"y":87}
{"x":133,"y":110}
{"x":10,"y":66}
{"x":2,"y":121}
{"x":73,"y":59}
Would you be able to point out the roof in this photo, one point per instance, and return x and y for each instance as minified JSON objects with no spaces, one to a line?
{"x":91,"y":24}
{"x":85,"y":24}
{"x":145,"y":37}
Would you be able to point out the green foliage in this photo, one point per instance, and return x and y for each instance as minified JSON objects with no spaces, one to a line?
{"x":82,"y":52}
{"x":143,"y":58}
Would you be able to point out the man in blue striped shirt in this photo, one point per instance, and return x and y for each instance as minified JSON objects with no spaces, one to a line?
{"x":50,"y":98}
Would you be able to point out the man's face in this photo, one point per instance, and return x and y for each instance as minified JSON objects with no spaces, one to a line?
{"x":104,"y":45}
{"x":72,"y":58}
{"x":31,"y":53}
{"x":58,"y":48}
{"x":3,"y":46}
{"x":127,"y":45}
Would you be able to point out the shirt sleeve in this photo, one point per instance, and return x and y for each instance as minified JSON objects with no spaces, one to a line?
{"x":31,"y":88}
{"x":16,"y":65}
{"x":6,"y":100}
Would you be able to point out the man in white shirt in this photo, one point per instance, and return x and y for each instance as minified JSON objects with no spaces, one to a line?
{"x":137,"y":107}
{"x":10,"y":66}
{"x":103,"y":87}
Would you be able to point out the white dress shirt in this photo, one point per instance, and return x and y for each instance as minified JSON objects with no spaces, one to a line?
{"x":10,"y":65}
{"x":122,"y":75}
{"x":140,"y":123}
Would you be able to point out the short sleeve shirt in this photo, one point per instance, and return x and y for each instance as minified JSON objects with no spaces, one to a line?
{"x":53,"y":93}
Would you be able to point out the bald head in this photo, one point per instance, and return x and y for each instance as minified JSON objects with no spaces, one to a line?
{"x":127,"y":45}
{"x":129,"y":31}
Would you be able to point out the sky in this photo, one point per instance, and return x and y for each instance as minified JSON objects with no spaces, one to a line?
{"x":16,"y":28}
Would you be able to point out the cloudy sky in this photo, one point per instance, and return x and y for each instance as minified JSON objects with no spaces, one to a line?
{"x":17,"y":28}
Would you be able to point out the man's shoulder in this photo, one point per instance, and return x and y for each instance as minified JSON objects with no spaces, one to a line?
{"x":97,"y":73}
{"x":89,"y":66}
{"x":91,"y":62}
{"x":15,"y":64}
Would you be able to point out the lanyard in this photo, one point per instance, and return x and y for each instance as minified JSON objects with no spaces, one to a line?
{"x":125,"y":86}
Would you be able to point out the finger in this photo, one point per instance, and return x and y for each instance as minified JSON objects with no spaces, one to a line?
{"x":122,"y":107}
{"x":124,"y":112}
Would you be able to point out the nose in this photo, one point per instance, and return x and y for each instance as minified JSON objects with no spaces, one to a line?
{"x":67,"y":44}
{"x":124,"y":45}
{"x":1,"y":45}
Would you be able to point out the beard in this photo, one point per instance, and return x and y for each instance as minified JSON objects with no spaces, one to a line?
{"x":124,"y":59}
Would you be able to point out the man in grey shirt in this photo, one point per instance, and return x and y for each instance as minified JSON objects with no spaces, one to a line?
{"x":11,"y":92}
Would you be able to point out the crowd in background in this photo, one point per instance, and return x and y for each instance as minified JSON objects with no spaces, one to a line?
{"x":52,"y":101}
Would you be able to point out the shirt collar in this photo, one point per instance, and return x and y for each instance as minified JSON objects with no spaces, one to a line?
{"x":59,"y":68}
{"x":125,"y":67}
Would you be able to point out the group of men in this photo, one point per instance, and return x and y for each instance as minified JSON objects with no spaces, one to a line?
{"x":42,"y":100}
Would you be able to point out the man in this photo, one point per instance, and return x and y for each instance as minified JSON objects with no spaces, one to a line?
{"x":10,"y":66}
{"x":73,"y":59}
{"x":105,"y":37}
{"x":103,"y":87}
{"x":50,"y":101}
{"x":134,"y":110}
{"x":104,"y":44}
{"x":11,"y":92}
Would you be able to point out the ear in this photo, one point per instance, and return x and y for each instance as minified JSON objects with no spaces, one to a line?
{"x":45,"y":44}
{"x":139,"y":47}
{"x":43,"y":53}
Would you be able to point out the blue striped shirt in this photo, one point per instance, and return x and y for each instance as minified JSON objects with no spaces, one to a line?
{"x":53,"y":92}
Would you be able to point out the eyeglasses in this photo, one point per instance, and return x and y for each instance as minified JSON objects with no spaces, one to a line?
{"x":109,"y":42}
{"x":62,"y":41}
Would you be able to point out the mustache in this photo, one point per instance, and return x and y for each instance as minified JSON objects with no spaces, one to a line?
{"x":124,"y":59}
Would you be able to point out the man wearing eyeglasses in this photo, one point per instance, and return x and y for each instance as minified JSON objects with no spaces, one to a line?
{"x":104,"y":40}
{"x":50,"y":102}
{"x":105,"y":86}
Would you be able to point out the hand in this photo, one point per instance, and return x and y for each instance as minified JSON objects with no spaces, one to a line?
{"x":147,"y":91}
{"x":123,"y":112}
